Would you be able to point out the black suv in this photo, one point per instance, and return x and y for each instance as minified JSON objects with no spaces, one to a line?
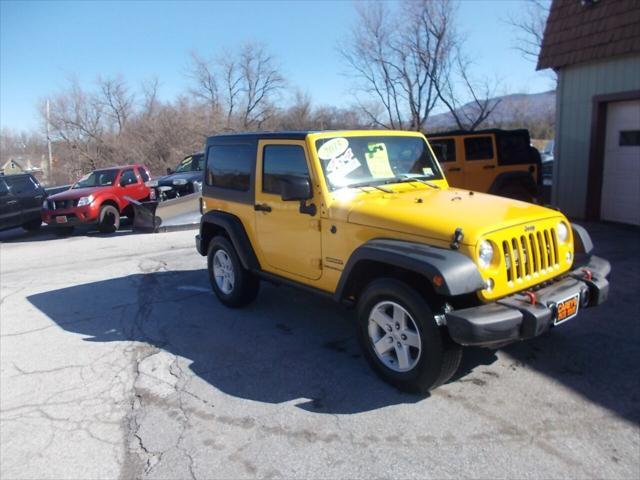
{"x":184,"y":180}
{"x":21,"y":198}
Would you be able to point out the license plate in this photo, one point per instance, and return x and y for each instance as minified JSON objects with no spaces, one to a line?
{"x":61,"y":219}
{"x":567,"y":309}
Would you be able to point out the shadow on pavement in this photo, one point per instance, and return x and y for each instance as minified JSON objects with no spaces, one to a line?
{"x":293,"y":346}
{"x":19,"y":235}
{"x":597,"y":354}
{"x":287,"y":346}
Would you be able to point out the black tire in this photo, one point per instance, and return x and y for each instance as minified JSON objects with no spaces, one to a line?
{"x":63,"y":231}
{"x":109,"y":219}
{"x":33,"y":225}
{"x":439,"y":357}
{"x":517,"y":191}
{"x":245,"y":284}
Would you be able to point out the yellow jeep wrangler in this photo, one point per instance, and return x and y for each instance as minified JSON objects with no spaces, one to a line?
{"x":367,"y":218}
{"x":500,"y":162}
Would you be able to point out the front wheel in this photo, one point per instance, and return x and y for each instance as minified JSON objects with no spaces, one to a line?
{"x":231,"y":282}
{"x":109,"y":219}
{"x":401,"y":340}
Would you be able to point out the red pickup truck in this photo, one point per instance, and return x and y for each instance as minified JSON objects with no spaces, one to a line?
{"x":98,"y":198}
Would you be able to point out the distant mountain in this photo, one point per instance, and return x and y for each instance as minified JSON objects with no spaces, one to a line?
{"x":515,"y":110}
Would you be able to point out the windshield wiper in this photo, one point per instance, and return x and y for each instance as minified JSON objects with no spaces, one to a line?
{"x":366,"y":184}
{"x":407,"y":178}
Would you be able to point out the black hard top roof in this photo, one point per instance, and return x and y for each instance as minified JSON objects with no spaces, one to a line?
{"x":497,"y":131}
{"x":254,"y":136}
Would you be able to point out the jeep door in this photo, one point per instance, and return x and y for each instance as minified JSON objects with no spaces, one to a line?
{"x":9,"y":207}
{"x":480,"y":162}
{"x":447,"y":154}
{"x":288,"y":240}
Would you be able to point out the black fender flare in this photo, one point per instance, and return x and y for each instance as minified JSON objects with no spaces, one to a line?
{"x":581,"y":240}
{"x":236,"y":232}
{"x":506,"y":178}
{"x":458,"y":274}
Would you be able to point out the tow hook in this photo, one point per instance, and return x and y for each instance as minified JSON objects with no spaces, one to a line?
{"x":458,"y":235}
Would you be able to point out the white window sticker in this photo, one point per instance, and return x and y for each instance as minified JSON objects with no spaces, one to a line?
{"x":340,"y":167}
{"x":333,"y":148}
{"x":428,"y":171}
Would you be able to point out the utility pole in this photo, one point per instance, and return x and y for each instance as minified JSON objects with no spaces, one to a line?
{"x":49,"y":171}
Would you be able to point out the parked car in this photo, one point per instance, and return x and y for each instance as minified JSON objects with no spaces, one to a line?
{"x":367,"y":218}
{"x":21,"y":196}
{"x":547,"y":162}
{"x":500,"y":162}
{"x":184,"y":180}
{"x":100,"y":198}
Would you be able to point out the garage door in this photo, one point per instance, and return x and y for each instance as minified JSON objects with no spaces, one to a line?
{"x":621,"y":175}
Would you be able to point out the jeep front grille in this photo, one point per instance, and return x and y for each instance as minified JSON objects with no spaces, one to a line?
{"x":530,"y":253}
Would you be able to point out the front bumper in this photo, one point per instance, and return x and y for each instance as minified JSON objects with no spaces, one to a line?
{"x":86,"y":215}
{"x":516,"y":317}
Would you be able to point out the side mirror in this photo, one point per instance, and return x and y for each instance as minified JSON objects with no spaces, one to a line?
{"x":295,"y":188}
{"x":169,"y":171}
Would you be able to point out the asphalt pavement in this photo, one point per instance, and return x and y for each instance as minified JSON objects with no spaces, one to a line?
{"x":116,"y":361}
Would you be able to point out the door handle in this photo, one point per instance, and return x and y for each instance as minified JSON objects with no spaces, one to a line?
{"x":454,"y":169}
{"x":488,"y":167}
{"x":11,"y":202}
{"x":262,"y":207}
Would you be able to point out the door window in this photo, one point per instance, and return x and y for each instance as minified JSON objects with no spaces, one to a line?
{"x":21,"y":185}
{"x":128,"y":178}
{"x":445,"y":149}
{"x":229,"y":166}
{"x":143,"y":174}
{"x":281,"y":161}
{"x":478,"y":148}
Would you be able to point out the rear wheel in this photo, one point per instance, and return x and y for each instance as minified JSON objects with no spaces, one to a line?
{"x":231,"y":282}
{"x":33,"y":225}
{"x":401,"y":339}
{"x":109,"y":219}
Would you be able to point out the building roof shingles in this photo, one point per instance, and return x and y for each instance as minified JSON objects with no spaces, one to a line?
{"x":578,"y":31}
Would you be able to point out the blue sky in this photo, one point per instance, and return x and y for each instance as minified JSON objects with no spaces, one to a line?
{"x":43,"y":44}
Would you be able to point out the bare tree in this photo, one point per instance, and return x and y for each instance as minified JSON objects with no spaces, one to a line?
{"x":456,"y":83}
{"x":117,"y":101}
{"x":232,"y":86}
{"x":206,"y":83}
{"x":261,"y":81}
{"x":529,"y":24}
{"x":404,"y":59}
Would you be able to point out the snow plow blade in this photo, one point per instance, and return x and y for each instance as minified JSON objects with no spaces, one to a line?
{"x":180,"y":213}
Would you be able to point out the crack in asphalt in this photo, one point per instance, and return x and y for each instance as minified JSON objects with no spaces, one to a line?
{"x":141,"y":460}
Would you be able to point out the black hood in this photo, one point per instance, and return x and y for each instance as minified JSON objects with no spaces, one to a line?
{"x":191,"y":176}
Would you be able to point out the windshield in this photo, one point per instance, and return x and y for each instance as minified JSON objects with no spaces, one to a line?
{"x":359,"y":161}
{"x":187,"y":165}
{"x":99,"y":178}
{"x":184,"y":165}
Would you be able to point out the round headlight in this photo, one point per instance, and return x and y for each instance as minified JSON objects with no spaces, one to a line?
{"x":485,"y":255}
{"x":563,"y":232}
